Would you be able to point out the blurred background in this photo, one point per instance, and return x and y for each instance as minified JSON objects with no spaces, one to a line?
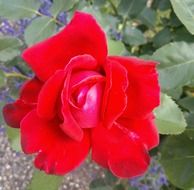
{"x":161,"y":30}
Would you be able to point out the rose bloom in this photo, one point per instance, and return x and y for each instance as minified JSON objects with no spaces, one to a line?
{"x":81,"y":99}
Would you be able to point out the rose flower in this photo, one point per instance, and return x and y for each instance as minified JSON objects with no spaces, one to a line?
{"x":81,"y":99}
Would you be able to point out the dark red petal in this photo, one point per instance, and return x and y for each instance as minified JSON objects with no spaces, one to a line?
{"x":70,"y":125}
{"x":57,"y":153}
{"x":143,"y":90}
{"x":144,"y":128}
{"x":81,"y":36}
{"x":122,"y":151}
{"x":30,"y":90}
{"x":13,"y":113}
{"x":49,"y":94}
{"x":115,"y":99}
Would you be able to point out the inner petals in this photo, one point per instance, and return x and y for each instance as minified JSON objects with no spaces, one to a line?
{"x":86,"y":98}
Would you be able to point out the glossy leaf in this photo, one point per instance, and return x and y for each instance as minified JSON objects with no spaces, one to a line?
{"x":13,"y":9}
{"x":43,"y":181}
{"x":39,"y":29}
{"x":148,"y":17}
{"x":178,"y":160}
{"x":163,"y":37}
{"x":187,"y":103}
{"x":184,"y":9}
{"x":115,"y":47}
{"x":133,"y":36}
{"x":14,"y":138}
{"x":61,"y":5}
{"x":131,"y":8}
{"x":176,"y":67}
{"x":9,"y":48}
{"x":169,"y":118}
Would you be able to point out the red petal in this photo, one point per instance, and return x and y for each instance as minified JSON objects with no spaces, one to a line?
{"x":144,"y":128}
{"x":81,"y":36}
{"x":49,"y":95}
{"x":122,"y":151}
{"x":143,"y":90}
{"x":30,"y":90}
{"x":13,"y":113}
{"x":86,"y":93}
{"x":57,"y":153}
{"x":70,"y":125}
{"x":129,"y":158}
{"x":115,"y":99}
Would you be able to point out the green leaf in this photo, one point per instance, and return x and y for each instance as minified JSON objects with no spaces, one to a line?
{"x":187,"y":103}
{"x":148,"y":17}
{"x":131,"y":8}
{"x":42,"y":181}
{"x":2,"y":79}
{"x":163,"y":37}
{"x":184,"y":10}
{"x":176,"y":67}
{"x":115,"y":47}
{"x":161,"y":5}
{"x":9,"y":48}
{"x":39,"y":29}
{"x":61,"y":5}
{"x":178,"y":160}
{"x":169,"y":118}
{"x":13,"y":9}
{"x":133,"y":36}
{"x":14,"y":138}
{"x":99,"y":184}
{"x":182,"y":34}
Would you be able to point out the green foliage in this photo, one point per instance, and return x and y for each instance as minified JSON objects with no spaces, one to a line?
{"x":41,"y":28}
{"x":133,"y":36}
{"x":131,"y":8}
{"x":184,"y":9}
{"x":115,"y":47}
{"x":43,"y":181}
{"x":99,"y":184}
{"x":178,"y":160}
{"x":169,"y":118}
{"x":2,"y":79}
{"x":14,"y":138}
{"x":161,"y":30}
{"x":176,"y":66}
{"x":9,"y":48}
{"x":59,"y":5}
{"x":13,"y":9}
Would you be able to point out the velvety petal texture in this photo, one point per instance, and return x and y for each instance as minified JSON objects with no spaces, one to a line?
{"x":56,"y":151}
{"x":81,"y":99}
{"x":143,"y":89}
{"x":14,"y":112}
{"x":81,"y":36}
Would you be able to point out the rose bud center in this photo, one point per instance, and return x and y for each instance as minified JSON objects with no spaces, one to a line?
{"x":86,"y":97}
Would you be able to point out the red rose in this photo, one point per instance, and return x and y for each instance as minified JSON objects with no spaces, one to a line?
{"x":80,"y":98}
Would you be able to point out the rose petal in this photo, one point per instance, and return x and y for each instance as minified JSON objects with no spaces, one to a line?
{"x":13,"y":113}
{"x":51,"y":91}
{"x":145,"y":128}
{"x":57,"y":153}
{"x":87,"y":92}
{"x":30,"y":90}
{"x":70,"y":125}
{"x":115,"y":99}
{"x":81,"y":36}
{"x":119,"y":150}
{"x":143,"y":90}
